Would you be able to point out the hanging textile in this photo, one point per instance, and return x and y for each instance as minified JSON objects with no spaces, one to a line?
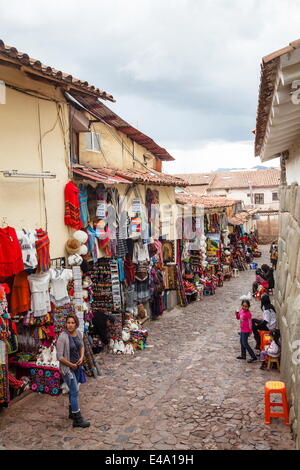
{"x":27,"y":239}
{"x":90,"y":366}
{"x":58,"y":286}
{"x":20,"y":294}
{"x":72,"y":207}
{"x":4,"y":333}
{"x":11,"y":260}
{"x":43,"y":251}
{"x":40,"y":299}
{"x":83,"y":202}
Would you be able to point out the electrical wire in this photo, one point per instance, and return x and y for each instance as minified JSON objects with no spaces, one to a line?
{"x":40,"y":148}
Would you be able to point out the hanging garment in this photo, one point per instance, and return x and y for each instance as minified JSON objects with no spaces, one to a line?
{"x":59,"y":316}
{"x":4,"y":333}
{"x":43,"y":251}
{"x":140,"y":252}
{"x":20,"y":294}
{"x":27,"y":239}
{"x":40,"y":299}
{"x":58,"y":286}
{"x":72,"y":207}
{"x":83,"y":201}
{"x":129,"y":269}
{"x":11,"y":261}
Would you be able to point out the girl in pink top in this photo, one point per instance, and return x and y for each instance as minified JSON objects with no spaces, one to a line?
{"x":245,"y":317}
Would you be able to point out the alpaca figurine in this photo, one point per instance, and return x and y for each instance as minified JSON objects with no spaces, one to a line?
{"x":54,"y":362}
{"x":46,"y":357}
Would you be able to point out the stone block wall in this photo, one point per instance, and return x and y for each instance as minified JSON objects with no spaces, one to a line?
{"x":267,"y":229}
{"x":287,"y":298}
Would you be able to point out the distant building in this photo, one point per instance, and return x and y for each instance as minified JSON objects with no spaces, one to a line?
{"x":256,"y":188}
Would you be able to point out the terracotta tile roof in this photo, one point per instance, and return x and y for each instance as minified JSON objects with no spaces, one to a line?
{"x":35,"y":67}
{"x":197,"y":178}
{"x":268,"y":73}
{"x":208,"y":202}
{"x":98,"y":175}
{"x":233,"y":179}
{"x":99,"y":110}
{"x":241,"y":179}
{"x":146,"y":177}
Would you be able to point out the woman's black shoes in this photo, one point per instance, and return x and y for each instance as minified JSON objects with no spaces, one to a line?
{"x":254,"y":359}
{"x":241,"y":357}
{"x":79,"y":422}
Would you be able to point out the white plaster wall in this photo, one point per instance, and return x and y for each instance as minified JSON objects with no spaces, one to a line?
{"x":242,"y":194}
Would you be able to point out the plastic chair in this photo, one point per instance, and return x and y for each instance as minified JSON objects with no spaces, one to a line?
{"x":273,"y":360}
{"x":266,"y":340}
{"x":261,"y":334}
{"x":278,"y":388}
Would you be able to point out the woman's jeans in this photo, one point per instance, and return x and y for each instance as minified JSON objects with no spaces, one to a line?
{"x":245,"y":346}
{"x":73,"y":391}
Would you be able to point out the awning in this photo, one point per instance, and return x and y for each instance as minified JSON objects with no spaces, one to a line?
{"x":96,"y":175}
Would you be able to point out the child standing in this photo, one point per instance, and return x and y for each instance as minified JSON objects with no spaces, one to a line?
{"x":245,"y":317}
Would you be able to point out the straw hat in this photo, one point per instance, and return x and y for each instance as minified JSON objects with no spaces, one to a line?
{"x":72,"y":246}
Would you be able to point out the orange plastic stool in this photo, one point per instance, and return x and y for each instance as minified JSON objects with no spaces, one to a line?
{"x":265,"y":339}
{"x":276,"y":387}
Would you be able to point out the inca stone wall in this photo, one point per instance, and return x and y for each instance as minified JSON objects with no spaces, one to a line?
{"x":267,"y":229}
{"x":287,"y":298}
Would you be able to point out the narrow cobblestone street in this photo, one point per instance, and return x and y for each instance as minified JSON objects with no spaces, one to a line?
{"x":185,"y":391}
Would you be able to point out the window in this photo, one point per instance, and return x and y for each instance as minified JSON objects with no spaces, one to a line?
{"x":275,"y":197}
{"x":259,"y":198}
{"x":92,"y":141}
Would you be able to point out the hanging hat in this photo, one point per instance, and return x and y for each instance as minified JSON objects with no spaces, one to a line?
{"x":81,"y":236}
{"x":74,"y":260}
{"x":72,"y":246}
{"x":83,"y":250}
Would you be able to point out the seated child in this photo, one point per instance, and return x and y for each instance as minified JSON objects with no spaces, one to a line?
{"x":273,"y":350}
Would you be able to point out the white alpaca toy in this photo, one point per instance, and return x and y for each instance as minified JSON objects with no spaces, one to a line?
{"x":54,"y":362}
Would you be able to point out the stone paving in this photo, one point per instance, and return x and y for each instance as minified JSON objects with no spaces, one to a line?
{"x":185,"y":391}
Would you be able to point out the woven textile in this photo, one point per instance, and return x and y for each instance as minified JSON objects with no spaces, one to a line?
{"x":43,"y":251}
{"x":72,"y":206}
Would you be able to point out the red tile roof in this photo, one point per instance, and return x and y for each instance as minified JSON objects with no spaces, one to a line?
{"x":114,"y":175}
{"x":98,"y":175}
{"x":208,"y":202}
{"x":99,"y":110}
{"x":11,"y":55}
{"x":234,"y":179}
{"x":242,"y":179}
{"x":150,"y":177}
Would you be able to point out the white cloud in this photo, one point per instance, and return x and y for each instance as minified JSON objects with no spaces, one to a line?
{"x":213,"y":155}
{"x":187,"y":70}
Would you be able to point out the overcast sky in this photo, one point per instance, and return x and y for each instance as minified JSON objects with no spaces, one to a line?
{"x":185,"y":72}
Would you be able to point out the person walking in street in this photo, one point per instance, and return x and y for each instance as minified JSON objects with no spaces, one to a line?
{"x":273,"y":350}
{"x":274,"y":257}
{"x":70,"y":353}
{"x":245,"y":316}
{"x":267,"y":323}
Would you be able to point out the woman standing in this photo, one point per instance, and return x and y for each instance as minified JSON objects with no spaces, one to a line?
{"x":70,"y":353}
{"x":244,"y":315}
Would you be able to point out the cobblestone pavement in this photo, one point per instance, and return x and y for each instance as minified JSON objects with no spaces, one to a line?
{"x":185,"y":391}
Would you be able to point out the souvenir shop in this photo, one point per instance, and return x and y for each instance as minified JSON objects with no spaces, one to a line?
{"x":243,"y":246}
{"x":36,"y":294}
{"x":130,"y":268}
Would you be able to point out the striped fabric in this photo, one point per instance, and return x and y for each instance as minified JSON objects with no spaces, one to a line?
{"x":43,"y":251}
